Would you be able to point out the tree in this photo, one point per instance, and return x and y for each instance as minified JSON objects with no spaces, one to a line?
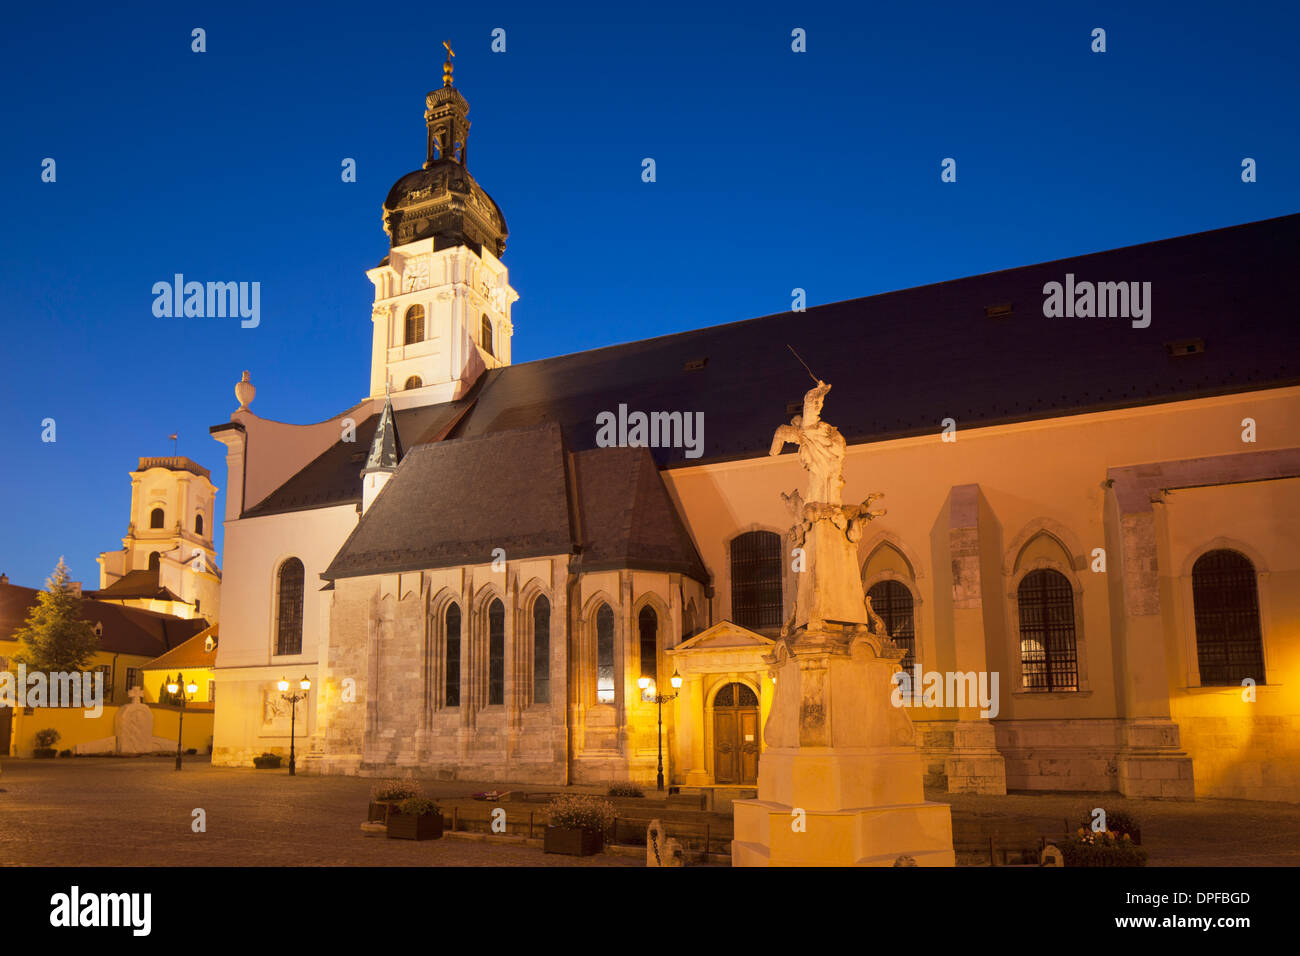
{"x":55,"y":637}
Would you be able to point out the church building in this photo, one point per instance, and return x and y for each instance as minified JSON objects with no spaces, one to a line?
{"x":488,"y":569}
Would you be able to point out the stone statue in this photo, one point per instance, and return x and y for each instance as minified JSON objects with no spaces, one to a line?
{"x":821,"y":447}
{"x":133,"y":725}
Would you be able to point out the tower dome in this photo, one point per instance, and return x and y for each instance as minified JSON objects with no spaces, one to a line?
{"x":442,"y":201}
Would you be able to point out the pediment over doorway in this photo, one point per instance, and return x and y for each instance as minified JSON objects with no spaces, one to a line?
{"x":725,"y":635}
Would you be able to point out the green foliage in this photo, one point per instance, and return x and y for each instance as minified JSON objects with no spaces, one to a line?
{"x":625,"y":790}
{"x":418,"y":807}
{"x":580,"y":811}
{"x":55,"y":637}
{"x":396,"y":790}
{"x":47,"y":738}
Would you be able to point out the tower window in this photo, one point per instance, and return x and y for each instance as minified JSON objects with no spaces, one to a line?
{"x":414,"y":382}
{"x":198,"y":524}
{"x":289,"y":608}
{"x":485,"y":339}
{"x":756,"y":579}
{"x":414,"y":324}
{"x":155,"y":561}
{"x":156,"y":518}
{"x":1225,"y":600}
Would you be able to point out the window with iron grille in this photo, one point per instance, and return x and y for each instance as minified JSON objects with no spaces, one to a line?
{"x":1225,"y":599}
{"x":893,"y":602}
{"x":134,"y":678}
{"x":451,"y":659}
{"x":288,"y":639}
{"x":756,"y":579}
{"x":541,"y":651}
{"x":1048,"y":657}
{"x":107,"y":671}
{"x":496,"y":653}
{"x":605,"y":655}
{"x":414,"y":324}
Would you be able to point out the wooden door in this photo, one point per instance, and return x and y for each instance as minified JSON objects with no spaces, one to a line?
{"x":735,"y":736}
{"x":6,"y":723}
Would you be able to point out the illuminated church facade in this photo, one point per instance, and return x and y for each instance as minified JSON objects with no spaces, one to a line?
{"x":1105,"y":516}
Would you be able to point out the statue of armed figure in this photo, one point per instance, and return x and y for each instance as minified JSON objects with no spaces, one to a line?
{"x":821,"y":447}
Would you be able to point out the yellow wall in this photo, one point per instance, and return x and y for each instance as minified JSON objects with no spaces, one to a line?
{"x":118,"y":664}
{"x":75,"y":727}
{"x":153,"y":681}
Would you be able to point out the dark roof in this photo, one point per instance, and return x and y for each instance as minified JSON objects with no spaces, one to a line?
{"x":127,"y":630}
{"x":902,"y":362}
{"x":141,"y":583}
{"x":334,"y":477}
{"x":455,"y":502}
{"x":384,"y":451}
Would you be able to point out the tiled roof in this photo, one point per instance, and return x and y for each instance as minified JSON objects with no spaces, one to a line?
{"x":126,"y":630}
{"x":141,"y":583}
{"x":189,"y":654}
{"x":455,"y":502}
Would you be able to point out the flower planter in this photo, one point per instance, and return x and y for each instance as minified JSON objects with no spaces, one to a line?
{"x":409,"y":826}
{"x":380,"y":809}
{"x":573,"y":841}
{"x":266,"y":763}
{"x":44,"y":752}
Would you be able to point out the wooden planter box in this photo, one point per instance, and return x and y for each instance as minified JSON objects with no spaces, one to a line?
{"x":573,"y":841}
{"x":380,"y":809}
{"x":404,"y":826}
{"x":45,"y":752}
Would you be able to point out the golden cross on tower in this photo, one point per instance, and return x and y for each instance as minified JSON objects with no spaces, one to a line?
{"x":446,"y":67}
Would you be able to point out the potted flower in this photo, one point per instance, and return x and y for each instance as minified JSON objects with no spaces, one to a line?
{"x":267,"y":761}
{"x":1119,"y":822}
{"x":577,"y":823}
{"x":415,"y":818}
{"x":384,"y":798}
{"x":1107,"y":848}
{"x":45,"y":741}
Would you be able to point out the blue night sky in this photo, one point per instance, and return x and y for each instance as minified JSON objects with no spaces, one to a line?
{"x":818,"y":170}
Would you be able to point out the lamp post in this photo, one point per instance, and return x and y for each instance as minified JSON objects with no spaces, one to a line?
{"x":293,"y":699}
{"x":178,"y":688}
{"x":647,"y":685}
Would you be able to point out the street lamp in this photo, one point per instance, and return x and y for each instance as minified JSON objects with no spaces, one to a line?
{"x":293,"y":699}
{"x":647,"y":685}
{"x":178,"y":689}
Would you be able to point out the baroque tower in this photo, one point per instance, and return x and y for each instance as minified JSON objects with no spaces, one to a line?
{"x":442,"y":295}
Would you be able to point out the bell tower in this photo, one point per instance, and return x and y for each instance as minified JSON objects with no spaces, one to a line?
{"x":442,"y":310}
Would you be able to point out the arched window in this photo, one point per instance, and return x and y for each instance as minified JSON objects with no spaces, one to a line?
{"x":1225,"y":599}
{"x":155,"y":561}
{"x":648,"y":625}
{"x":496,"y":652}
{"x":414,"y":382}
{"x":451,"y":659}
{"x":893,"y":602}
{"x":156,"y":518}
{"x":288,"y":616}
{"x":605,"y":655}
{"x":756,"y":579}
{"x":485,"y":337}
{"x":198,"y":524}
{"x":541,"y":651}
{"x":414,"y":324}
{"x":1048,"y":659}
{"x":736,"y":695}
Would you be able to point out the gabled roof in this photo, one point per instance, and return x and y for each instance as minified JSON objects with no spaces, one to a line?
{"x":456,"y":502}
{"x":724,"y":635}
{"x":126,"y":630}
{"x":191,"y":653}
{"x":141,"y":583}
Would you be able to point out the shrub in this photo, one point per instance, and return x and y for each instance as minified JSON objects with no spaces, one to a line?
{"x":268,"y":761}
{"x":47,"y":738}
{"x":396,"y":790}
{"x":65,"y":753}
{"x":625,"y":790}
{"x":1119,"y":822}
{"x":580,"y":811}
{"x":418,"y":807}
{"x":1086,"y":848}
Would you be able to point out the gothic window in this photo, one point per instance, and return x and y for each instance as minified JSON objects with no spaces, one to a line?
{"x":605,"y":655}
{"x":541,"y":651}
{"x":648,"y":625}
{"x":198,"y":524}
{"x":451,"y":659}
{"x":1225,"y":599}
{"x":288,"y":617}
{"x":1048,"y":659}
{"x":414,"y":324}
{"x":497,"y":653}
{"x":756,"y":579}
{"x":893,"y":602}
{"x":486,"y":336}
{"x":155,"y":560}
{"x":156,"y":518}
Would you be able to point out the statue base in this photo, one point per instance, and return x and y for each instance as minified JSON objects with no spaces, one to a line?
{"x":840,"y":783}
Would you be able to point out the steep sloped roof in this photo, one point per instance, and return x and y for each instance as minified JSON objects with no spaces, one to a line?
{"x":191,"y":653}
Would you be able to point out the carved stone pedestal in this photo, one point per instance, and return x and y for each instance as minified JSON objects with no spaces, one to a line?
{"x":840,"y":783}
